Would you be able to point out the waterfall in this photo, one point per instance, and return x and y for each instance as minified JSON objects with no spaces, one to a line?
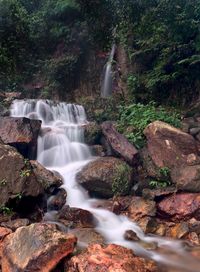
{"x":107,"y":85}
{"x":61,"y":147}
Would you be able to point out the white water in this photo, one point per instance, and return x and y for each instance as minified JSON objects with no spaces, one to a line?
{"x":61,"y":147}
{"x":107,"y":86}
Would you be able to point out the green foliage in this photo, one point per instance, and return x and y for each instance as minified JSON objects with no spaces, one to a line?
{"x":62,"y":70}
{"x":164,"y":180}
{"x":18,"y":196}
{"x":121,"y":183}
{"x":13,"y":38}
{"x":159,"y":183}
{"x":25,"y":173}
{"x":164,"y":172}
{"x":6,"y":210}
{"x":138,"y":116}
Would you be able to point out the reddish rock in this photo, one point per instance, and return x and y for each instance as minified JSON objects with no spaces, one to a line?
{"x":119,"y":144}
{"x":180,"y":207}
{"x":21,"y":133}
{"x":3,"y":233}
{"x":167,"y":145}
{"x":76,"y":217}
{"x":140,"y":207}
{"x":38,"y":247}
{"x":109,"y":258}
{"x":106,"y":177}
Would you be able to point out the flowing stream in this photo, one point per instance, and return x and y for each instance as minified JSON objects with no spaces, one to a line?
{"x":61,"y":147}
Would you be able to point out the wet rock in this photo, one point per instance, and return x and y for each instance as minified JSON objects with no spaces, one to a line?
{"x":106,"y":177}
{"x":178,"y":231}
{"x":92,"y":133}
{"x":38,"y":247}
{"x":45,"y":177}
{"x":119,"y":144}
{"x":16,"y":223}
{"x":109,"y":258}
{"x":194,"y":225}
{"x":193,"y":238}
{"x":160,"y":230}
{"x":75,"y":217}
{"x":140,"y":207}
{"x":187,"y":178}
{"x":87,"y":236}
{"x":16,"y":178}
{"x":168,"y":146}
{"x":21,"y":133}
{"x":180,"y":207}
{"x":57,"y":201}
{"x":130,"y":235}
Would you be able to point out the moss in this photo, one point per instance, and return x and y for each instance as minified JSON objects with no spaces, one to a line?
{"x":121,"y":181}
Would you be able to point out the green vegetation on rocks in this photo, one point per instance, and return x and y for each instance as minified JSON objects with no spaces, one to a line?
{"x":135,"y":118}
{"x":121,"y":180}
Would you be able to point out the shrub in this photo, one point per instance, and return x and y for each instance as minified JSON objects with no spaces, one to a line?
{"x":135,"y":117}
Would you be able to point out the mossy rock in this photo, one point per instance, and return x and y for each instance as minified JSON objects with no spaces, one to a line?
{"x":106,"y":177}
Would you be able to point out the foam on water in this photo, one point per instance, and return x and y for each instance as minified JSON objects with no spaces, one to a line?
{"x":61,"y":147}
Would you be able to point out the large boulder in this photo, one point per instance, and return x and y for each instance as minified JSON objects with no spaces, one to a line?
{"x":106,"y":177}
{"x":109,"y":258}
{"x":21,"y":133}
{"x":168,"y":146}
{"x":18,"y":179}
{"x":38,"y":247}
{"x":119,"y":144}
{"x":180,"y":207}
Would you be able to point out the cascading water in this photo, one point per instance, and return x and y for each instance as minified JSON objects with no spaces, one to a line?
{"x":61,"y":147}
{"x":107,"y":86}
